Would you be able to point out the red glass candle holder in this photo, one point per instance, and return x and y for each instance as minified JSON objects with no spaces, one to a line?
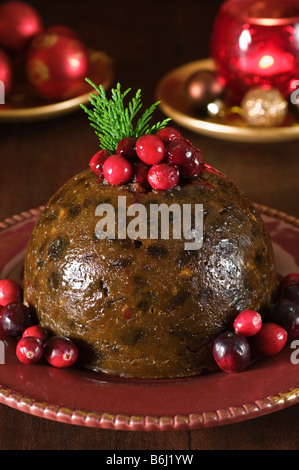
{"x":256,"y":43}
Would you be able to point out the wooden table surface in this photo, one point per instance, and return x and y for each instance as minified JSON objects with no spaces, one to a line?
{"x":146,"y":39}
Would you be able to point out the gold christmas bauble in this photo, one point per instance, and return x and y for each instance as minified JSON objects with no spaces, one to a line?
{"x":263,"y":107}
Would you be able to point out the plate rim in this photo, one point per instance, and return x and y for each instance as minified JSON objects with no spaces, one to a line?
{"x":148,"y":422}
{"x":219,"y":131}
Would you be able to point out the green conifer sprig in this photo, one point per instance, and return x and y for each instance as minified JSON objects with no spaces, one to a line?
{"x":112,"y":120}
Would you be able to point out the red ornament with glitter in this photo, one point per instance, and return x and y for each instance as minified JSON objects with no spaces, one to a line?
{"x":256,"y":43}
{"x":19,"y":22}
{"x":5,"y":76}
{"x":56,"y":65}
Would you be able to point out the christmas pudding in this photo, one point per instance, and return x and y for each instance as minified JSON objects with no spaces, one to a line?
{"x":142,"y":299}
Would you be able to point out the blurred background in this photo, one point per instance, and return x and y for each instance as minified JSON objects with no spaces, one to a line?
{"x":146,"y":40}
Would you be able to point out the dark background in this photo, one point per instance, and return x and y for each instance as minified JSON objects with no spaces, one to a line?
{"x":146,"y":39}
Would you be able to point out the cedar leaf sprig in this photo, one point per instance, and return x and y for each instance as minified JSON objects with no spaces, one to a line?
{"x":112,"y":120}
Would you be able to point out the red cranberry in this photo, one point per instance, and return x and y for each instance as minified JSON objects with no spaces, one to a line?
{"x":60,"y":351}
{"x":185,"y":156}
{"x":10,"y":291}
{"x":117,"y":170}
{"x":289,"y":279}
{"x":163,"y":176}
{"x":97,"y":161}
{"x":179,"y":153}
{"x":37,"y":332}
{"x":150,"y":149}
{"x":231,"y":352}
{"x":195,"y":166}
{"x":291,"y":293}
{"x":269,"y":341}
{"x":168,"y":134}
{"x":140,"y":171}
{"x":29,"y":350}
{"x":286,"y":314}
{"x":126,"y":148}
{"x":247,"y":323}
{"x":15,"y":318}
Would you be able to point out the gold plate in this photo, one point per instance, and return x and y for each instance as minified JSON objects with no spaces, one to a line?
{"x":171,"y":92}
{"x":23,"y":105}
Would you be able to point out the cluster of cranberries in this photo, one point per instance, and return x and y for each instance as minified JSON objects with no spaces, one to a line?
{"x":251,"y":338}
{"x":157,"y":161}
{"x":33,"y":343}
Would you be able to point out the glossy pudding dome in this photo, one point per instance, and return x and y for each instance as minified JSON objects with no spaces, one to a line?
{"x":147,"y":306}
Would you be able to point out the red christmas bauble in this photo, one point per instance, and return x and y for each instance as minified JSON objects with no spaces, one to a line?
{"x":57,"y":65}
{"x":5,"y":75}
{"x":19,"y":22}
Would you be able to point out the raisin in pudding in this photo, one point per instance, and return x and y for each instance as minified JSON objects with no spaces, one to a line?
{"x":147,"y":307}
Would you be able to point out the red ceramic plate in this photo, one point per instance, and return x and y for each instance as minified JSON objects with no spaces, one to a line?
{"x":90,"y":399}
